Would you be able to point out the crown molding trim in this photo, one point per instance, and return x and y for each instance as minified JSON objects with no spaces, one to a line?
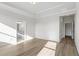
{"x":72,"y":11}
{"x":50,"y":8}
{"x":16,"y":10}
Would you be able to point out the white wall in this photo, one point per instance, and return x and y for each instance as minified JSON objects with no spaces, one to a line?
{"x":48,"y":28}
{"x":62,"y":28}
{"x":77,"y":27}
{"x":10,"y":18}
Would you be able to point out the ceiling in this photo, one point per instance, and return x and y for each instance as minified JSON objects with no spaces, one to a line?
{"x":40,"y":8}
{"x":35,"y":8}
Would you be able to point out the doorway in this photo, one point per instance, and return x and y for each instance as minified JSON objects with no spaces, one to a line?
{"x":69,"y":30}
{"x":20,"y":31}
{"x":66,"y":46}
{"x":67,"y":26}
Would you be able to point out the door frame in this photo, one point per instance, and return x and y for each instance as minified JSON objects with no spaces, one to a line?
{"x":61,"y":19}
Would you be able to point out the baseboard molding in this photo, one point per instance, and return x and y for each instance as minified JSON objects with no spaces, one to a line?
{"x":47,"y":40}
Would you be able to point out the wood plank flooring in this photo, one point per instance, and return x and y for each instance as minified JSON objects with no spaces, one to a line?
{"x":27,"y":48}
{"x":40,"y":47}
{"x":66,"y":48}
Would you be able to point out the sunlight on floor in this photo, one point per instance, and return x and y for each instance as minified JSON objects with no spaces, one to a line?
{"x":27,"y":38}
{"x":48,"y":50}
{"x":51,"y":45}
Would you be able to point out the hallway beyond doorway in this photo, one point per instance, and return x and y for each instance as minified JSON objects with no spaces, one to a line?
{"x":66,"y":47}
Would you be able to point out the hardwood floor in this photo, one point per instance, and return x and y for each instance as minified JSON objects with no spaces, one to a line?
{"x":40,"y":47}
{"x":66,"y":48}
{"x":31,"y":47}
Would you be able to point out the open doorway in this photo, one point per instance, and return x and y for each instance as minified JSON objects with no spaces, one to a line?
{"x":66,"y":46}
{"x":20,"y":31}
{"x":67,"y":26}
{"x":69,"y":30}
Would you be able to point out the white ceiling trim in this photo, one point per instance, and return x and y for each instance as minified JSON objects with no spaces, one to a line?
{"x":15,"y":10}
{"x":23,"y":13}
{"x":57,"y":6}
{"x":27,"y":11}
{"x":73,"y":11}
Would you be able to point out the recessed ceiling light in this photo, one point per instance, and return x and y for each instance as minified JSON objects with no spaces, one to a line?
{"x":33,"y":2}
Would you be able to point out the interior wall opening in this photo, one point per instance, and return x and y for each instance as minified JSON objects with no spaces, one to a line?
{"x":67,"y":26}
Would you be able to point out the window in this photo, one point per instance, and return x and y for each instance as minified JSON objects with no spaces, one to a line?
{"x":7,"y":34}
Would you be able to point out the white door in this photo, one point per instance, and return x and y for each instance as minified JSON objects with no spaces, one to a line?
{"x":68,"y":29}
